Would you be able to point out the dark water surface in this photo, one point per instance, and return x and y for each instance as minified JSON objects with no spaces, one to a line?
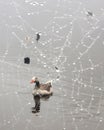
{"x":70,"y":52}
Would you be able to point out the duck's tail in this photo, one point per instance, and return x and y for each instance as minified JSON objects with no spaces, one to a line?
{"x":49,"y":82}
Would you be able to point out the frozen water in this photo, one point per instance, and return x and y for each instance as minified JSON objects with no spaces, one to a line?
{"x":70,"y":52}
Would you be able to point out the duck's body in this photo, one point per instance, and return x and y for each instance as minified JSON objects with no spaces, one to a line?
{"x":41,"y":91}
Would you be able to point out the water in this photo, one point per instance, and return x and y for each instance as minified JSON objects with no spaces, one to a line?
{"x":69,"y":52}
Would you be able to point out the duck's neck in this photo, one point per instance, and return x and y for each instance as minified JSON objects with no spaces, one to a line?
{"x":37,"y":84}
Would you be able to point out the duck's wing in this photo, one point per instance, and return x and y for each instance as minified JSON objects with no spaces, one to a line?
{"x":45,"y":87}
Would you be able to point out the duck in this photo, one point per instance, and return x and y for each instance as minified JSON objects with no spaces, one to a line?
{"x":40,"y":91}
{"x":40,"y":88}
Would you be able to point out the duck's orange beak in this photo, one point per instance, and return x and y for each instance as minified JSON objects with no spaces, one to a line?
{"x":32,"y":81}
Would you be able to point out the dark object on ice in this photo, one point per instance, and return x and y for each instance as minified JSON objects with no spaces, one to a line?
{"x":43,"y":91}
{"x":37,"y":37}
{"x":27,"y":60}
{"x":56,"y":68}
{"x":89,"y":13}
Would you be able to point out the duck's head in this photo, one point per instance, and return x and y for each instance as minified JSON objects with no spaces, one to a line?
{"x":34,"y":80}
